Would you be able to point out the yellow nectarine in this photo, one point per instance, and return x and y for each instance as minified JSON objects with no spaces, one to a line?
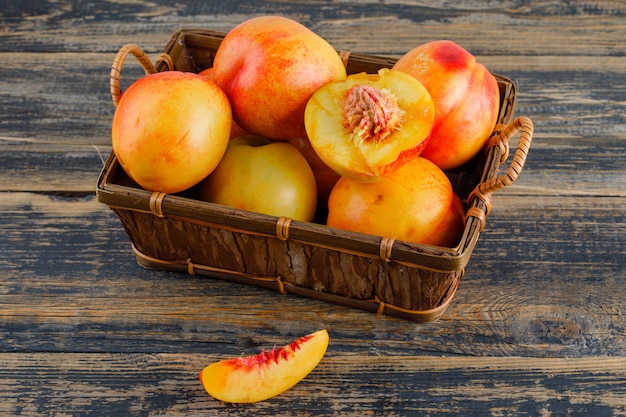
{"x":259,"y":175}
{"x":415,"y":203}
{"x":170,"y":130}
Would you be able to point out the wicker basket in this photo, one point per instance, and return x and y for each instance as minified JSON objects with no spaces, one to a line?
{"x":379,"y":274}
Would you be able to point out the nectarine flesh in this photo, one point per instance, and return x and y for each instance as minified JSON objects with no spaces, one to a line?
{"x":369,"y":125}
{"x":260,"y":377}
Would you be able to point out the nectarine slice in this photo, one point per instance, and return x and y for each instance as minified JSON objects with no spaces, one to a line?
{"x":369,"y":125}
{"x":259,"y":377}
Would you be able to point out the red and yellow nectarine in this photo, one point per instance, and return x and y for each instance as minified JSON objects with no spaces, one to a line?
{"x":368,"y":125}
{"x":466,"y":97}
{"x":170,"y":130}
{"x":269,"y":66}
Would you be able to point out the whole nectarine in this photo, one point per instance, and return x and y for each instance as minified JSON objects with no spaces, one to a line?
{"x":170,"y":130}
{"x":266,"y":177}
{"x":415,"y":203}
{"x":466,"y":97}
{"x":269,"y":66}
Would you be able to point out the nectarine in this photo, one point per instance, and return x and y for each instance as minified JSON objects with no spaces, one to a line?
{"x":266,"y":177}
{"x":269,"y":66}
{"x":170,"y":130}
{"x":368,"y":125}
{"x":466,"y":97}
{"x":257,"y":378}
{"x":415,"y":203}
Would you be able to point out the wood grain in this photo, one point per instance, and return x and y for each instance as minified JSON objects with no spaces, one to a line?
{"x":571,"y":313}
{"x":138,"y":384}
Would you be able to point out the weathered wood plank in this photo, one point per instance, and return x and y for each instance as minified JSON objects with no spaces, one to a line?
{"x":503,"y":321}
{"x":536,"y":286}
{"x":66,"y":26}
{"x":57,"y":97}
{"x":54,"y":168}
{"x":156,"y":383}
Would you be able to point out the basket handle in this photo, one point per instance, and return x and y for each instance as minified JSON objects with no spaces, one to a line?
{"x":137,"y":52}
{"x":520,"y":124}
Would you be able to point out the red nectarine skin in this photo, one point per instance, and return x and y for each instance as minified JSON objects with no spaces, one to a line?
{"x":274,"y":355}
{"x":269,"y":66}
{"x":451,"y":56}
{"x":466,"y":98}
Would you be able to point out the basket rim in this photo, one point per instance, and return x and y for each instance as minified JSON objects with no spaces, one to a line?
{"x":437,"y":259}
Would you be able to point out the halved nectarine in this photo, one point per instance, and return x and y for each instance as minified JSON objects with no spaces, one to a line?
{"x":259,"y":377}
{"x":368,"y":125}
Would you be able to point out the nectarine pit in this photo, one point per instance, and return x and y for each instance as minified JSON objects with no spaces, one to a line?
{"x":371,"y":114}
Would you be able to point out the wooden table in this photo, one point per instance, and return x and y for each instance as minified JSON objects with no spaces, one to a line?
{"x":537,"y":324}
